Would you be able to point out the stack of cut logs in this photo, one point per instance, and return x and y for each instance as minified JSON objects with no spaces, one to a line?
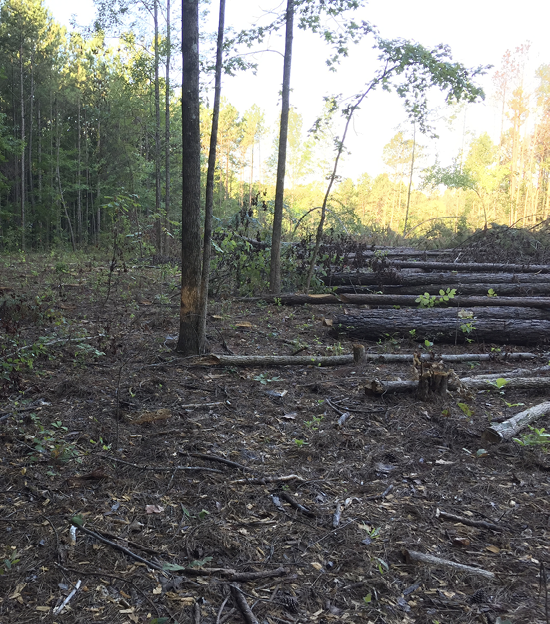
{"x":496,"y":303}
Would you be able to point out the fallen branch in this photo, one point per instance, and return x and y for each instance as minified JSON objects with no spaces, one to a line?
{"x":241,"y":603}
{"x":285,"y":496}
{"x":339,"y":360}
{"x":412,"y":556}
{"x":68,"y":599}
{"x":482,"y":524}
{"x":215,"y":458}
{"x":159,"y":468}
{"x":360,"y":356}
{"x":509,"y":428}
{"x":377,"y":496}
{"x":516,"y":372}
{"x":264,"y":480}
{"x":127,"y":551}
{"x":272,"y":360}
{"x":375,"y":387}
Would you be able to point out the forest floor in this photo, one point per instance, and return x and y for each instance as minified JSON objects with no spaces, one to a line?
{"x":111,"y":427}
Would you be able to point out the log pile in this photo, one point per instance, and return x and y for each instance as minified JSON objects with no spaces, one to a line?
{"x":491,"y":302}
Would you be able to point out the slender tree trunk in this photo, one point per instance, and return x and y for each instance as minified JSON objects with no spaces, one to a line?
{"x":209,"y":199}
{"x":98,"y":220}
{"x":39,"y":131}
{"x":188,"y":341}
{"x":78,"y":178}
{"x":31,"y":192}
{"x":60,"y":188}
{"x":157,"y":131}
{"x":167,"y":121}
{"x":410,"y":182}
{"x":275,"y":267}
{"x":22,"y":94}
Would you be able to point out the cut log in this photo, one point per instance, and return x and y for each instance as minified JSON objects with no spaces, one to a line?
{"x":291,"y":300}
{"x":516,"y":372}
{"x":341,"y":360}
{"x":425,"y":315}
{"x":375,"y":387}
{"x":411,"y":300}
{"x":382,"y":324}
{"x":478,"y":267}
{"x":509,"y":428}
{"x":527,"y":289}
{"x":426,"y":279}
{"x":272,"y":360}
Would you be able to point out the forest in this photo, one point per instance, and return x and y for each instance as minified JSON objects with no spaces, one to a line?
{"x":237,"y":386}
{"x":90,"y":115}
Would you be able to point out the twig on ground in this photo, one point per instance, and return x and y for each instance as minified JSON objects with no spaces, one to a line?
{"x":241,"y":603}
{"x":482,"y":524}
{"x":264,"y":480}
{"x":158,"y":468}
{"x":196,"y":613}
{"x":127,"y":551}
{"x":383,"y":495}
{"x":286,"y":496}
{"x":337,"y":516}
{"x":113,"y":577}
{"x":60,"y":608}
{"x":216,"y":458}
{"x":412,"y":556}
{"x":221,"y":610}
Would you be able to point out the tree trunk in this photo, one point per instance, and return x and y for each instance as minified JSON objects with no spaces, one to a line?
{"x":509,"y":290}
{"x":275,"y":266}
{"x":470,"y":266}
{"x":167,"y":121}
{"x":399,"y":278}
{"x":410,"y":181}
{"x":188,"y":340}
{"x":22,"y":103}
{"x":209,"y":199}
{"x":411,"y":301}
{"x":384,"y":324}
{"x":157,"y":131}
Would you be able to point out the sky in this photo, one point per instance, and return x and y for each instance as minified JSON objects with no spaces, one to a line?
{"x":479,"y":32}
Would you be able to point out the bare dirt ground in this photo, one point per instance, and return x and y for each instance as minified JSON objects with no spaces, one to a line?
{"x":112,"y":427}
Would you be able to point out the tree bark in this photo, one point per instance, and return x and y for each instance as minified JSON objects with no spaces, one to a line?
{"x":275,"y":266}
{"x":471,"y":266}
{"x":341,"y":360}
{"x":157,"y":130}
{"x":450,"y":279}
{"x":376,"y":387}
{"x":167,"y":119}
{"x":188,"y":340}
{"x":382,"y":324}
{"x":411,"y":300}
{"x":509,"y":428}
{"x":209,"y":199}
{"x":526,"y":289}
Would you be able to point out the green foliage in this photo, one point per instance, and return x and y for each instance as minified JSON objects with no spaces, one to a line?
{"x":499,"y":383}
{"x":9,"y":562}
{"x":264,"y":380}
{"x":537,"y":437}
{"x":314,"y":423}
{"x":429,"y":301}
{"x":466,"y":410}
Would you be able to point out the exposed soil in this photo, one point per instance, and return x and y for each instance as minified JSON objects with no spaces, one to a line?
{"x":131,"y":442}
